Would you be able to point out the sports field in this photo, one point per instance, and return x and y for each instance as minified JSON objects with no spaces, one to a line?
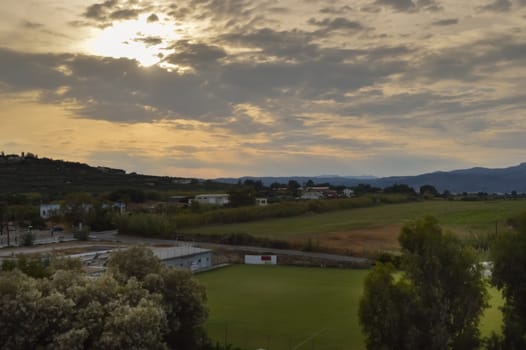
{"x":377,"y":228}
{"x":281,"y":308}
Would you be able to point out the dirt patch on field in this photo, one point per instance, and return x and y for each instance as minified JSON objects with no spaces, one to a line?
{"x":358,"y":242}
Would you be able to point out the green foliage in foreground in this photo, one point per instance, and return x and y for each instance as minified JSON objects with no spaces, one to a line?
{"x":137,"y":304}
{"x":435,"y":304}
{"x":283,"y":306}
{"x":509,"y":275}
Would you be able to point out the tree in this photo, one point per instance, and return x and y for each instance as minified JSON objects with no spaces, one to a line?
{"x":383,"y":329}
{"x":508,"y":254}
{"x":428,"y":190}
{"x":400,"y":188}
{"x":183,"y":298}
{"x":137,"y":304}
{"x":293,"y":187}
{"x":436,"y":303}
{"x":241,"y":196}
{"x":365,"y":188}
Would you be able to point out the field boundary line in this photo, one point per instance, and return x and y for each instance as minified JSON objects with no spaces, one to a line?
{"x":310,"y":337}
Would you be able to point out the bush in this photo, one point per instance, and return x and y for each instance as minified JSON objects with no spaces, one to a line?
{"x":27,"y":239}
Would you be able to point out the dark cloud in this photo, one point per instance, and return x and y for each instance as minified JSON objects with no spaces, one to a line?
{"x":32,"y":25}
{"x":445,"y":22}
{"x":410,"y":5}
{"x":335,"y":10}
{"x":112,"y":89}
{"x":338,"y":23}
{"x":99,"y":11}
{"x":497,"y":6}
{"x":195,"y":54}
{"x":280,"y":10}
{"x":104,"y":13}
{"x":470,"y":62}
{"x":150,"y":40}
{"x":19,"y":71}
{"x":153,"y":18}
{"x":125,"y":14}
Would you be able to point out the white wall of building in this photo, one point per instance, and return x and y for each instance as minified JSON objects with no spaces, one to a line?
{"x":261,"y":259}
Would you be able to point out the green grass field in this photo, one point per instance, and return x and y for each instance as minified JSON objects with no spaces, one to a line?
{"x":457,"y":215}
{"x":278,"y":307}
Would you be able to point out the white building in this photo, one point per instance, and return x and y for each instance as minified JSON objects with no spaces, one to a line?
{"x":185,"y":257}
{"x":348,"y":192}
{"x":214,"y":199}
{"x":49,"y":210}
{"x":261,"y":202}
{"x":312,"y":195}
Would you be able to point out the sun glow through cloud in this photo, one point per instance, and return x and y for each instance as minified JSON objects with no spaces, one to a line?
{"x":134,"y":39}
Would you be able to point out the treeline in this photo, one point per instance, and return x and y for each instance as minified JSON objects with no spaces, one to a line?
{"x":165,"y":226}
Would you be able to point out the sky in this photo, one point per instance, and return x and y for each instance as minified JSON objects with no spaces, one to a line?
{"x":215,"y":88}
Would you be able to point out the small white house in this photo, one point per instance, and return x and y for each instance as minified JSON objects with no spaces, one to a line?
{"x":213,"y":199}
{"x":348,"y":192}
{"x":49,"y":210}
{"x":261,"y":202}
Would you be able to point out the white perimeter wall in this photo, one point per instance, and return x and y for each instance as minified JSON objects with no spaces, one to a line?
{"x":261,"y":259}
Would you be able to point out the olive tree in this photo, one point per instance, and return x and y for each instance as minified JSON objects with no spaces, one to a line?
{"x":434,"y":303}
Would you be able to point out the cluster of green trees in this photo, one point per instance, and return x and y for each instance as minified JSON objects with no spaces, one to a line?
{"x":137,"y":304}
{"x":436,"y":300}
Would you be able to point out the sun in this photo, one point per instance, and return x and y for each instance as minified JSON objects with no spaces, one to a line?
{"x":134,"y":39}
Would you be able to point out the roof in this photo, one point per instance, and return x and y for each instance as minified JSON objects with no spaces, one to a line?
{"x":212,"y":195}
{"x":166,"y":253}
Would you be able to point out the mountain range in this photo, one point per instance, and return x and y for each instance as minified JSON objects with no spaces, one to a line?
{"x":32,"y":174}
{"x":502,"y":180}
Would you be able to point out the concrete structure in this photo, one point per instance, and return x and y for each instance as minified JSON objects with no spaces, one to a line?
{"x":213,"y":199}
{"x":49,"y":210}
{"x":186,"y":257}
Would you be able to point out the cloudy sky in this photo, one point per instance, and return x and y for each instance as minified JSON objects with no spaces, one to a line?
{"x":209,"y":88}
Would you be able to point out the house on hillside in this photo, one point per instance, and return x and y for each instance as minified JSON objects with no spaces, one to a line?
{"x":49,"y":210}
{"x":213,"y":199}
{"x":314,"y":192}
{"x":118,"y":207}
{"x":348,"y":192}
{"x":261,"y":202}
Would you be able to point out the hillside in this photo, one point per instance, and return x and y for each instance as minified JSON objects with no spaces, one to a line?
{"x":478,"y":179}
{"x":44,"y":175}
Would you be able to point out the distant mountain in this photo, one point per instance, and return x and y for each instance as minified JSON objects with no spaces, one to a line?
{"x":477,"y":179}
{"x":31,"y":174}
{"x":269,"y":180}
